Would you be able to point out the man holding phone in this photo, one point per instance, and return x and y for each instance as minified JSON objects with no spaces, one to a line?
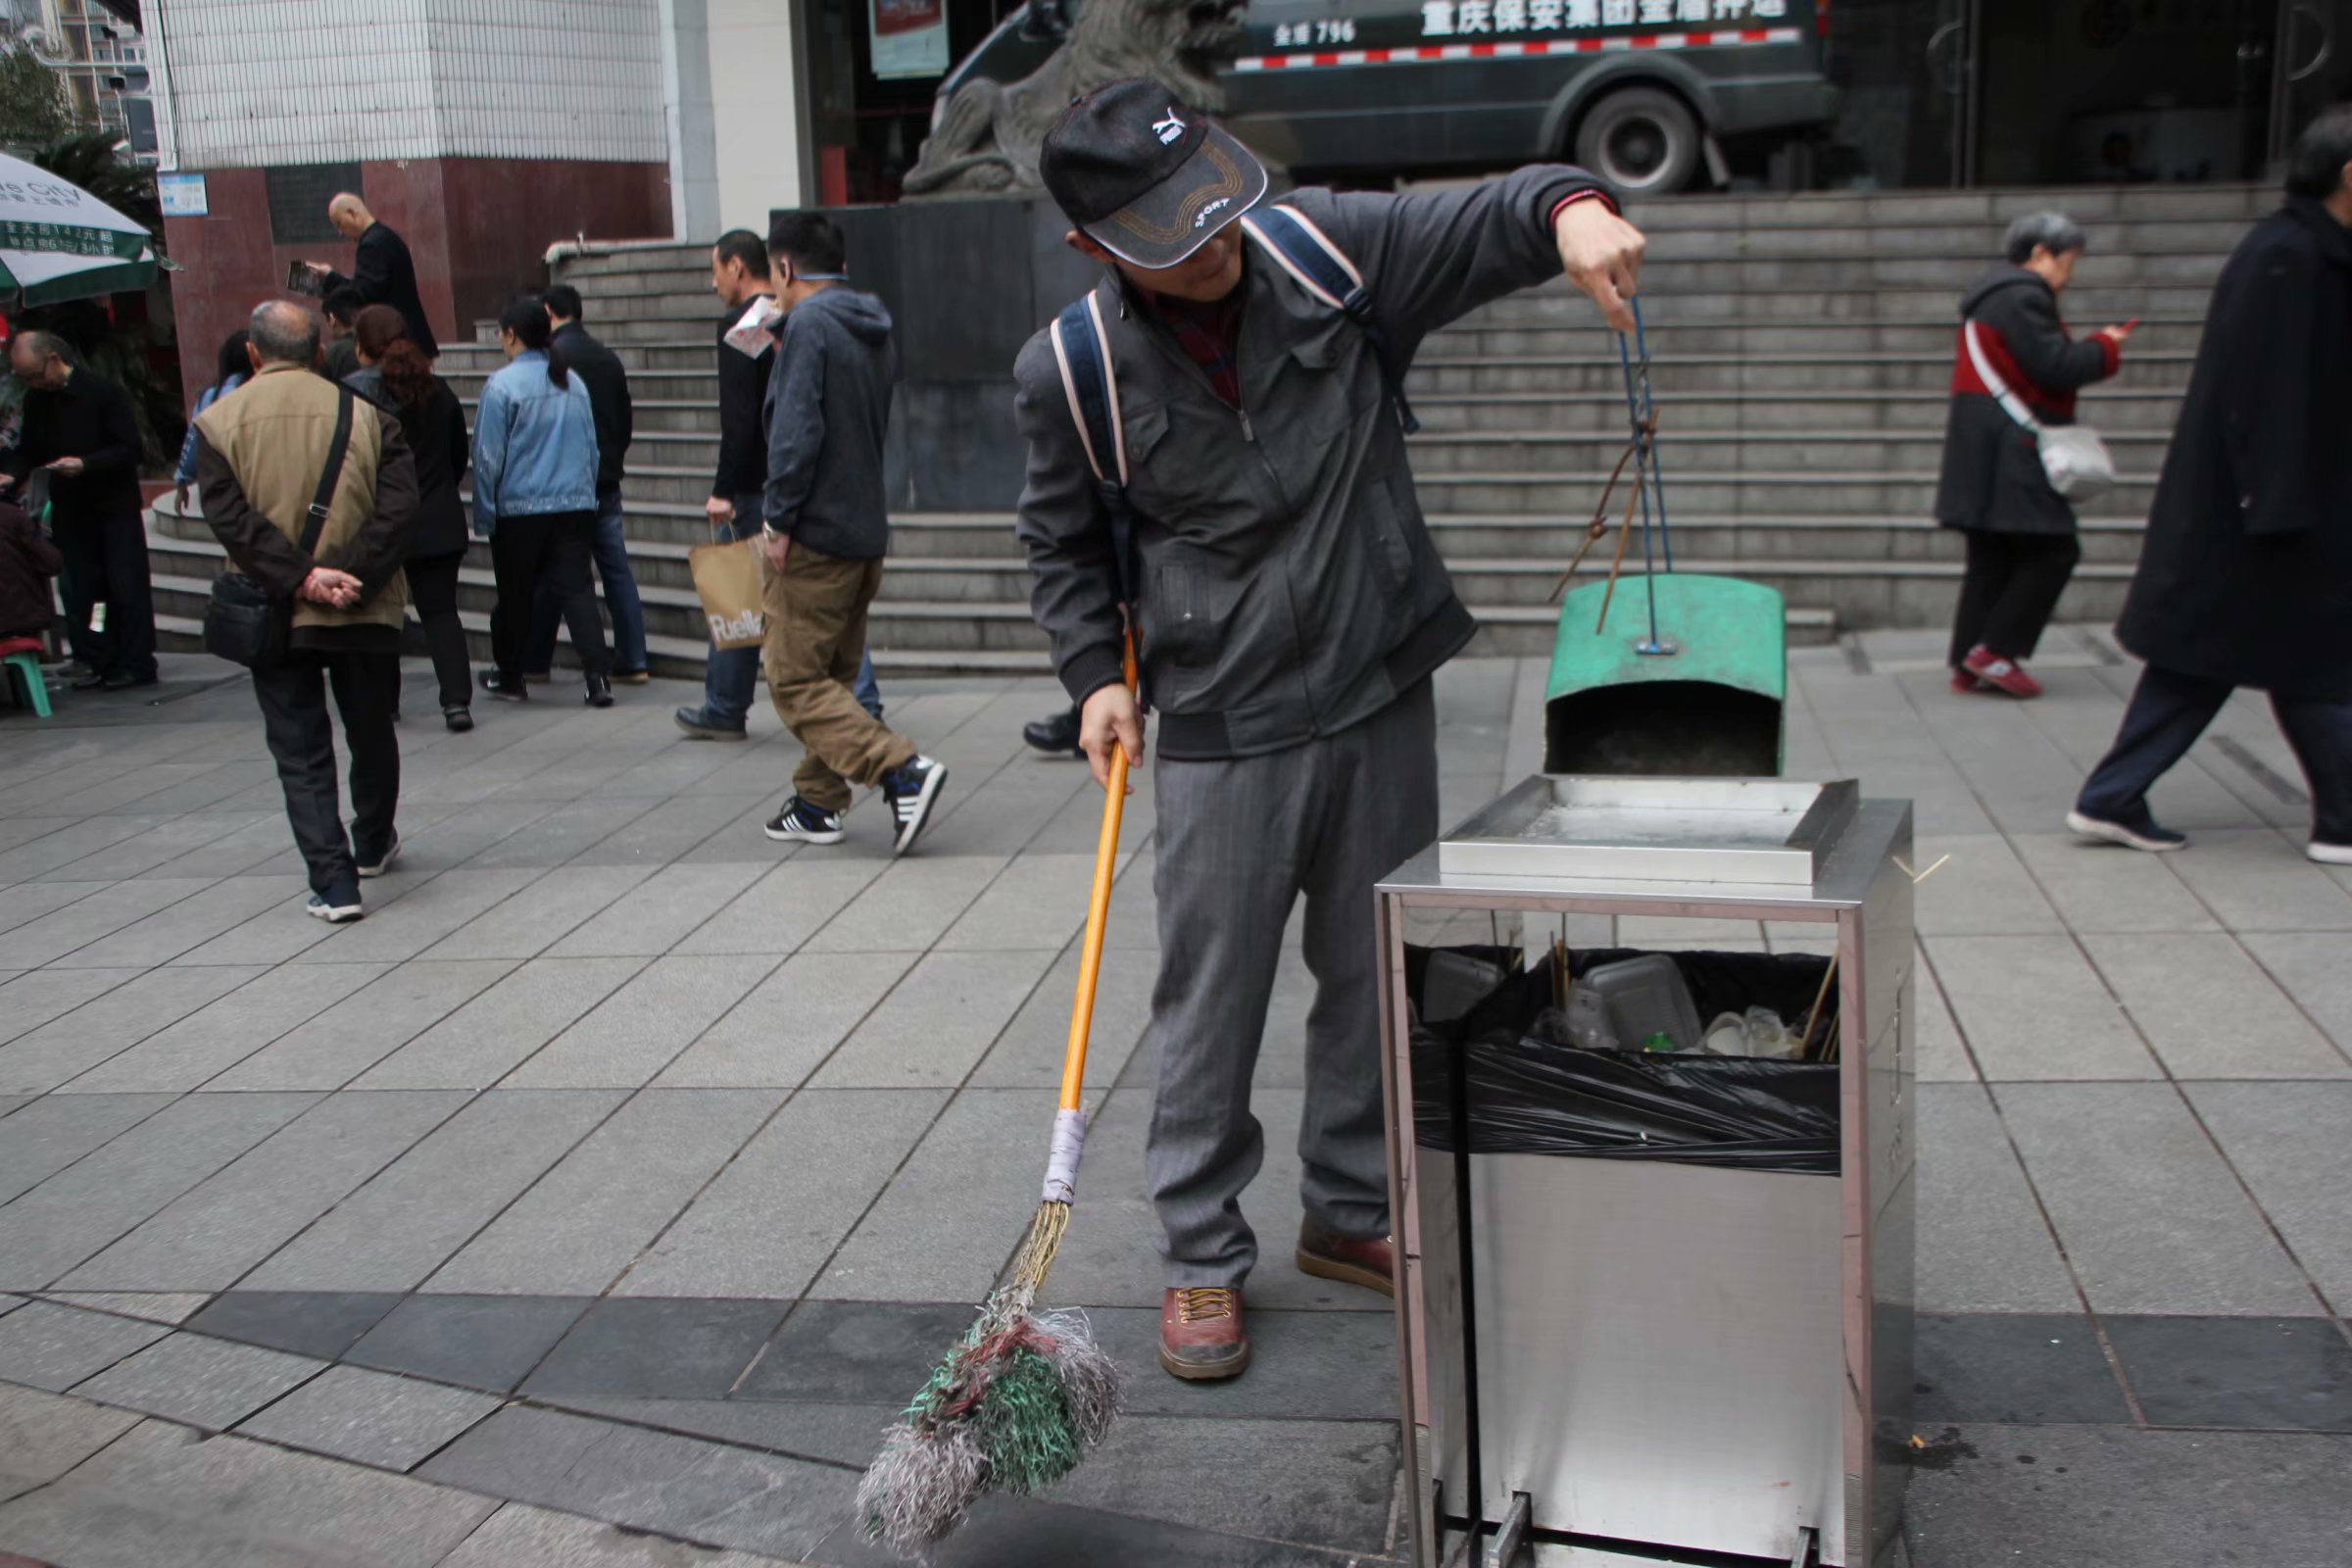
{"x":80,"y":429}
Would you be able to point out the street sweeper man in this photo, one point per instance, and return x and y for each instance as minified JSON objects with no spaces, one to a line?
{"x":1290,"y":607}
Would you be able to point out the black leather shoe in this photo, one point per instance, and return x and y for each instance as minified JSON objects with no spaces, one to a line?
{"x":599,"y":690}
{"x":499,"y":685}
{"x":1056,"y":736}
{"x":88,"y":683}
{"x":458,"y":717}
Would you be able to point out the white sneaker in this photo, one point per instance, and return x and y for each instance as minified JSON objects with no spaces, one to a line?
{"x":2328,"y":853}
{"x":2154,"y":839}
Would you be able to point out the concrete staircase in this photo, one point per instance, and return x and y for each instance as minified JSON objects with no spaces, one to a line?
{"x":1800,"y":349}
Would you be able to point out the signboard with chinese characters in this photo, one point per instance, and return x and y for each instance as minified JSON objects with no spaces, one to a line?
{"x":183,"y":195}
{"x":909,"y":37}
{"x":1451,"y":19}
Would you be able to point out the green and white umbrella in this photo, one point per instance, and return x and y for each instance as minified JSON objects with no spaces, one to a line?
{"x":58,"y":242}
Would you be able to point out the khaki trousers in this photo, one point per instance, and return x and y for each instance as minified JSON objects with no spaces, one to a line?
{"x":817,"y":608}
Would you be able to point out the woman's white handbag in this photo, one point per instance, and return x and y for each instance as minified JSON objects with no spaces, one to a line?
{"x":2079,"y":464}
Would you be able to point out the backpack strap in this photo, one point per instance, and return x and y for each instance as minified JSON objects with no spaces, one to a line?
{"x":1082,"y":351}
{"x":1323,"y":269}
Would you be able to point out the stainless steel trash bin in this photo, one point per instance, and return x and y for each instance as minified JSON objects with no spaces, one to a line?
{"x":1715,"y":1361}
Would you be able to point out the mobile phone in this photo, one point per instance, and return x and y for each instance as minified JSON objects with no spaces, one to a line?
{"x":300,"y":279}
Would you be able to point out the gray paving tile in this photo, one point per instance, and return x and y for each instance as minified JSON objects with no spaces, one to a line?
{"x":1001,"y":813}
{"x":1039,"y":901}
{"x":2032,"y":1367}
{"x":52,"y":1133}
{"x":190,"y":923}
{"x":865,"y":1354}
{"x":777,"y":1033}
{"x":369,"y":1417}
{"x":773,"y":1217}
{"x":407,"y":1221}
{"x":155,"y":1307}
{"x":29,"y":901}
{"x":2151,"y":1219}
{"x":685,"y":825}
{"x":2310,"y":966}
{"x":651,"y":1481}
{"x":286,"y":930}
{"x":201,"y":1382}
{"x":1983,"y":1244}
{"x":1029,"y":1053}
{"x":2210,"y":1011}
{"x":952,"y":1218}
{"x":2190,"y":1498}
{"x":482,"y":1041}
{"x":43,"y":1346}
{"x":65,"y":844}
{"x":540,"y":913}
{"x":478,"y":1342}
{"x":160,"y":1494}
{"x":354,"y":1035}
{"x":232,"y":1221}
{"x":659,"y":912}
{"x":787,"y":907}
{"x":32,"y":1000}
{"x":43,"y":1436}
{"x":2293,"y":1144}
{"x":2274,"y":1373}
{"x":577,"y":1230}
{"x":910,"y":906}
{"x":1984,"y":891}
{"x":220,"y":1035}
{"x":2098,"y":891}
{"x":2257,"y":881}
{"x":131,"y":1010}
{"x":79,"y":1210}
{"x":555,"y":836}
{"x":658,"y":1348}
{"x":76,"y":926}
{"x":635,"y":1032}
{"x":2033,"y":1009}
{"x":423,"y":917}
{"x":934,"y":1028}
{"x":316,"y":1323}
{"x":1942,"y":1055}
{"x":519,"y":1535}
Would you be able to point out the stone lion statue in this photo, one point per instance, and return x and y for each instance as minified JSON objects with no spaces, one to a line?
{"x":987,"y":138}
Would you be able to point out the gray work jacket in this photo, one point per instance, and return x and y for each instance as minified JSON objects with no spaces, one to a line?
{"x":1287,"y":586}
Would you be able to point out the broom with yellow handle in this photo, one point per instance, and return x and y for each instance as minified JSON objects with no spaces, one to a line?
{"x":1023,"y":1395}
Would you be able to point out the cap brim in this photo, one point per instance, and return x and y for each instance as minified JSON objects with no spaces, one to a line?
{"x":1175,"y":217}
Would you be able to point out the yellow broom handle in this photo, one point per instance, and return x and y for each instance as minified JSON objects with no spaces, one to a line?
{"x":1097,"y":914}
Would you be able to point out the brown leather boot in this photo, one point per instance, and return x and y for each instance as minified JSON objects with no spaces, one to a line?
{"x":1200,"y":1334}
{"x":1371,"y":1264}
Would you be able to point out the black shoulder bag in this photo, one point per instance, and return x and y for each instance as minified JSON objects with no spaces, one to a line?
{"x":243,"y":623}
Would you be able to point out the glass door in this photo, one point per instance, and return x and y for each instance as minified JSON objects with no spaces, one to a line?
{"x":2311,"y":67}
{"x":1953,"y":55}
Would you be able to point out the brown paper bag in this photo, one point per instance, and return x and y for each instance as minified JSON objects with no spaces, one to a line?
{"x":727,"y":579}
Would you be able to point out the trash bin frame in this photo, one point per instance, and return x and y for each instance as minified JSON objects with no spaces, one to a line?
{"x":1864,"y":895}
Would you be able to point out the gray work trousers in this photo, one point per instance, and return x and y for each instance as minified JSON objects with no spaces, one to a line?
{"x":1239,"y":840}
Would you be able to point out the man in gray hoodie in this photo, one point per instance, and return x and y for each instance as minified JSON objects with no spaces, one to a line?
{"x":826,"y":531}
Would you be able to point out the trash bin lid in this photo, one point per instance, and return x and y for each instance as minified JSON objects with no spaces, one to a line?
{"x":1754,"y":830}
{"x":1724,"y":630}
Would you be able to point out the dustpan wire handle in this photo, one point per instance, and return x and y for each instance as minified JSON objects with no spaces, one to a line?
{"x":1643,"y":458}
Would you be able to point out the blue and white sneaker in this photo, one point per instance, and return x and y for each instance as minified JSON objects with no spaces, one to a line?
{"x":337,"y":905}
{"x":384,"y":862}
{"x":2145,"y":834}
{"x":810,"y":825}
{"x":912,"y":789}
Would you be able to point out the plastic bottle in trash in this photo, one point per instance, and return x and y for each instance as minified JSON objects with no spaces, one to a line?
{"x":1589,"y":1021}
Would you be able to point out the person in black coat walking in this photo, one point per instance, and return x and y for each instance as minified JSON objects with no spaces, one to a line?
{"x":382,"y":272}
{"x":2245,"y":578}
{"x":616,"y":417}
{"x":394,"y":375}
{"x":2020,"y":531}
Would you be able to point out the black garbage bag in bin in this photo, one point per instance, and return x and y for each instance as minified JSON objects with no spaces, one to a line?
{"x":1529,"y":1096}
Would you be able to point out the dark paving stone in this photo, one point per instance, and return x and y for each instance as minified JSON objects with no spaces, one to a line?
{"x":2023,"y":1367}
{"x":2067,"y":1496}
{"x":657,"y":1348}
{"x":1323,"y":1483}
{"x":321,"y":1323}
{"x":803,"y":1429}
{"x":1031,"y":1532}
{"x":477,"y":1342}
{"x":2292,"y":1374}
{"x":855,"y":1352}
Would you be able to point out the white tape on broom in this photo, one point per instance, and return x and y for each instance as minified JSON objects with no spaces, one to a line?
{"x":1061,"y":1165}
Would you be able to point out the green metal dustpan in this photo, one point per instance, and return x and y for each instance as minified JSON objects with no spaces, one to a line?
{"x":1683,"y":674}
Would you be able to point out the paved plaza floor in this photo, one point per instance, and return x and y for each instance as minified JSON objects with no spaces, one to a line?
{"x":597,"y":1199}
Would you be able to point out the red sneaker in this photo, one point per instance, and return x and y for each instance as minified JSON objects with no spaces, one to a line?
{"x":2000,"y":673}
{"x":1967,"y":685}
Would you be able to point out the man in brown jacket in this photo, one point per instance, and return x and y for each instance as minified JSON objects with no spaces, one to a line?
{"x":259,"y":455}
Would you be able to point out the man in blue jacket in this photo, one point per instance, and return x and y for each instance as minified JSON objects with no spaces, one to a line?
{"x":1291,"y":609}
{"x":826,"y":530}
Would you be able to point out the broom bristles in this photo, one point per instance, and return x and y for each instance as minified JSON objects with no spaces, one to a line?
{"x":1013,"y":1408}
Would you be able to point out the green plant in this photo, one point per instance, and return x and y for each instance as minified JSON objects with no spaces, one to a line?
{"x":34,"y":107}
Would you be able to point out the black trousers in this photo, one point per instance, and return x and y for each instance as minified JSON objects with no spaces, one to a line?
{"x":106,"y":562}
{"x":434,"y":590}
{"x":2012,"y":587}
{"x":293,"y":698}
{"x":553,"y":547}
{"x":2169,"y":711}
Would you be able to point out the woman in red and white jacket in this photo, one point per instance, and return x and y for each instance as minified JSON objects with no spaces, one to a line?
{"x":2021,"y":533}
